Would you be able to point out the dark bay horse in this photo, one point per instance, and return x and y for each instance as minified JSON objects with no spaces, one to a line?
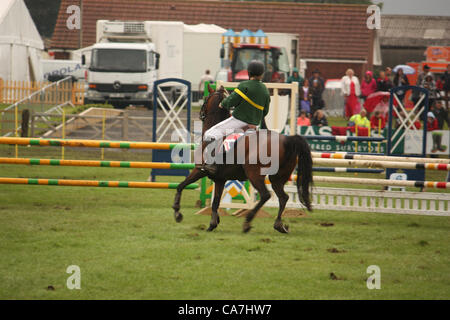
{"x":292,"y":150}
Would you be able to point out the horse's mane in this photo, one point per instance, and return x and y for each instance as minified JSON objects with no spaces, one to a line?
{"x":210,"y":111}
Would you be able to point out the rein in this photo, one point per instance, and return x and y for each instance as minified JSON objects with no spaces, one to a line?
{"x":203,"y":113}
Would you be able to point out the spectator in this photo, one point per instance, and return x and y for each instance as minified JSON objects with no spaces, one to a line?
{"x":203,"y":79}
{"x":305,"y":97}
{"x":368,"y":85}
{"x":429,"y":83}
{"x":419,"y":82}
{"x":360,"y":120}
{"x":388,"y":72}
{"x":441,"y":114}
{"x":319,"y":119}
{"x":432,"y":125}
{"x":303,"y":120}
{"x":316,"y":76}
{"x":351,"y":91}
{"x":316,"y":96}
{"x":295,"y":77}
{"x":421,"y":76}
{"x":377,"y":121}
{"x":383,"y":82}
{"x":446,"y":85}
{"x":400,"y":79}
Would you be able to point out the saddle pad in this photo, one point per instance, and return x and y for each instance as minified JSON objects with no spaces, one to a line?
{"x":230,"y":140}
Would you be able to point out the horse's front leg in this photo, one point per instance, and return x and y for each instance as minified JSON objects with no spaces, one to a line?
{"x":195,"y":175}
{"x":218,"y":190}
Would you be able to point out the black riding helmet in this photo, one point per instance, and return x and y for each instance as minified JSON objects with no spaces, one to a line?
{"x":255,"y":68}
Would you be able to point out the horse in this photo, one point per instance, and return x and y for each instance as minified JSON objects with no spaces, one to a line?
{"x":291,"y":150}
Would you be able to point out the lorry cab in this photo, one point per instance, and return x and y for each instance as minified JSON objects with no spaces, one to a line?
{"x":122,"y":73}
{"x":238,"y":49}
{"x":275,"y":60}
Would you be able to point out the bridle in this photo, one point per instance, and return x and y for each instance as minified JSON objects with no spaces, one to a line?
{"x":203,"y":113}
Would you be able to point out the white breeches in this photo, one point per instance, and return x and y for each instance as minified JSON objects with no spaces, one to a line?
{"x":225,"y":127}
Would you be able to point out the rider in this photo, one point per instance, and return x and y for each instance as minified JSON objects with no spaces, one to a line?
{"x":251,"y":100}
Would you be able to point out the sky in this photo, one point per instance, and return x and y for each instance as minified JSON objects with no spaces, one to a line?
{"x":416,"y":7}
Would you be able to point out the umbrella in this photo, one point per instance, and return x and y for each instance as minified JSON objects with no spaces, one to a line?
{"x":406,"y":69}
{"x":374,"y":99}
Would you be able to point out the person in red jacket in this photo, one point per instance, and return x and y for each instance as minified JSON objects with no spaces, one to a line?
{"x":377,"y":121}
{"x":432,"y":123}
{"x":368,"y":85}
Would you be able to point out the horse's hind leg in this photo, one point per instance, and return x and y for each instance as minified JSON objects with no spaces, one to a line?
{"x":215,"y":220}
{"x":192,"y":177}
{"x":278,"y":188}
{"x":259,"y":184}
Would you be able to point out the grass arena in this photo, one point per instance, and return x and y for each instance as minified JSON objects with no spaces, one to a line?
{"x":128,"y":246}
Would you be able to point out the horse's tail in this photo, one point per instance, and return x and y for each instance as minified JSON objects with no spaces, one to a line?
{"x":299,"y":146}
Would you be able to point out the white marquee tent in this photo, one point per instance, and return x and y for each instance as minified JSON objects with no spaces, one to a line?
{"x":20,"y":43}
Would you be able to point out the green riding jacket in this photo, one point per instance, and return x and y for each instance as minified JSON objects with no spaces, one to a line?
{"x":253,"y":111}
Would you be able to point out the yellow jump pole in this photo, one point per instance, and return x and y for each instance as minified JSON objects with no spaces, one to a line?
{"x":379,"y":131}
{"x":63,"y":131}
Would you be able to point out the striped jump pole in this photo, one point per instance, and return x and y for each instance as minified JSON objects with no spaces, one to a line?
{"x":97,"y":163}
{"x":355,"y":170}
{"x":94,"y":183}
{"x":94,"y":143}
{"x":345,"y":138}
{"x":170,"y":165}
{"x":347,"y":155}
{"x":383,"y":164}
{"x":384,"y":182}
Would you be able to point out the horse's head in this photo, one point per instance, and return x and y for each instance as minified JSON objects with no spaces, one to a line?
{"x":210,"y":112}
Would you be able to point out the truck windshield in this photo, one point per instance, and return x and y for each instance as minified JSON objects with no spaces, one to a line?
{"x":275,"y":60}
{"x":244,"y":56}
{"x":118,"y":60}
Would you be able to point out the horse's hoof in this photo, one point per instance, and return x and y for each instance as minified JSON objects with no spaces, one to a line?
{"x":211,"y":228}
{"x":178,"y":217}
{"x":283,"y":228}
{"x":246,"y":227}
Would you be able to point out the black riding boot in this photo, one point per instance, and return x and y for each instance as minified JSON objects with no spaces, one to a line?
{"x":210,"y":166}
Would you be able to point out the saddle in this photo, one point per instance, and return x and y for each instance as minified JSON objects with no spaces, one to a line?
{"x":230,"y":140}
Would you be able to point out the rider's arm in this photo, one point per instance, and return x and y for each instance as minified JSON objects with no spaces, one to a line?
{"x":233,"y":99}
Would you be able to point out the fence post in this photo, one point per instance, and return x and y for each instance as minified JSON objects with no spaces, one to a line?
{"x":25,"y":122}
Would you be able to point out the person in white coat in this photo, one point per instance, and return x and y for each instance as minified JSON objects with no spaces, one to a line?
{"x":351,"y":90}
